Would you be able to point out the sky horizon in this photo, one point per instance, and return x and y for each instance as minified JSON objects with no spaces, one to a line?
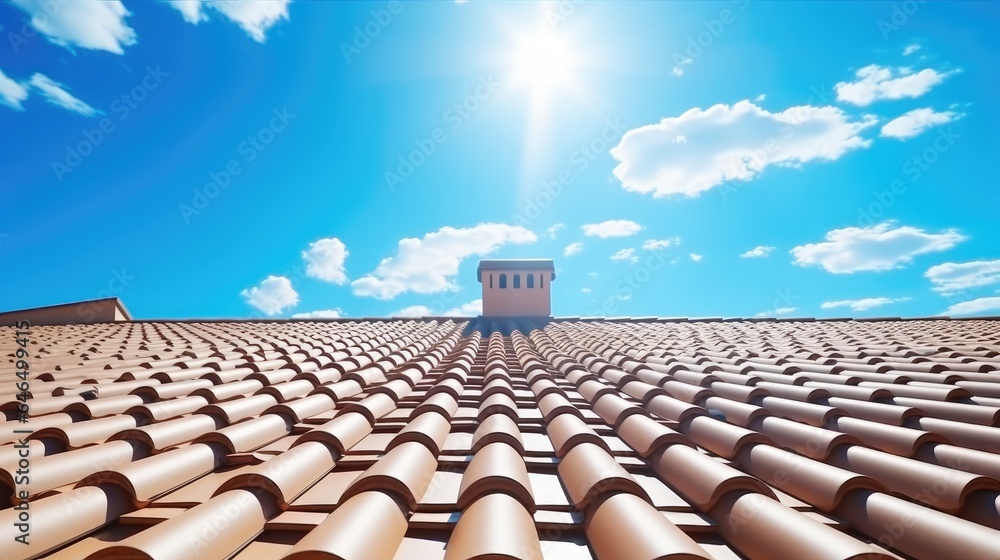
{"x":292,"y":159}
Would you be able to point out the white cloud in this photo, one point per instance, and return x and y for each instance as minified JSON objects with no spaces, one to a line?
{"x":950,"y":278}
{"x":412,"y":311}
{"x":592,"y":274}
{"x":759,"y":251}
{"x":255,"y":17}
{"x":429,"y":265}
{"x":863,"y":304}
{"x":572,"y":249}
{"x":91,"y":25}
{"x":272,"y":295}
{"x":696,"y":257}
{"x":660,"y":244}
{"x":975,"y":306}
{"x":760,"y":97}
{"x":190,"y":10}
{"x":56,"y":94}
{"x":776,"y":312}
{"x":910,"y":49}
{"x":323,"y":314}
{"x":325,"y":260}
{"x":730,"y":143}
{"x":678,"y":69}
{"x":876,"y":248}
{"x":876,"y":82}
{"x":471,"y":309}
{"x":585,"y":290}
{"x":912,"y":123}
{"x":554,"y":230}
{"x":625,"y":255}
{"x":12,"y":93}
{"x":474,"y":307}
{"x":612,"y":228}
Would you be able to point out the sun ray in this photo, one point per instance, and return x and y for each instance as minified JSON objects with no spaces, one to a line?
{"x":544,"y":66}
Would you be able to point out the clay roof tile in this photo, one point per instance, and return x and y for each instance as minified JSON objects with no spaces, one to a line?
{"x":369,"y":525}
{"x":582,"y":438}
{"x":589,"y":472}
{"x":625,"y":526}
{"x":496,"y":467}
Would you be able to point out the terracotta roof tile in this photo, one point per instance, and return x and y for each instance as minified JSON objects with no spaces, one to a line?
{"x":625,"y":526}
{"x":405,"y":472}
{"x":760,"y":527}
{"x":702,"y":480}
{"x":572,"y":439}
{"x":52,"y":527}
{"x":147,"y":478}
{"x":205,"y":536}
{"x":495,"y":525}
{"x":79,"y":434}
{"x":819,"y":484}
{"x":590,"y":473}
{"x":496,"y":467}
{"x":341,"y":433}
{"x":248,"y":434}
{"x":52,"y":471}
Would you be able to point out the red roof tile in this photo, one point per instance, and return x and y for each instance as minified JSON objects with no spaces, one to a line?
{"x":440,"y":439}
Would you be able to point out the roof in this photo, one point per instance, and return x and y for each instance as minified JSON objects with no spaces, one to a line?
{"x":515,"y":264}
{"x":88,"y":311}
{"x":571,"y":439}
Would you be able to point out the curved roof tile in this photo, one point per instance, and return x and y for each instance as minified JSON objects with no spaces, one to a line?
{"x":626,"y":526}
{"x":496,"y":467}
{"x":576,"y":438}
{"x":370,"y":525}
{"x":494,"y":526}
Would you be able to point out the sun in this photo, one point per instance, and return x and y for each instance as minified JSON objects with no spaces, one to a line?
{"x":547,"y":70}
{"x":543,"y":63}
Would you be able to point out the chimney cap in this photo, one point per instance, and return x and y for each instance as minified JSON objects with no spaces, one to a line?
{"x":515,"y":264}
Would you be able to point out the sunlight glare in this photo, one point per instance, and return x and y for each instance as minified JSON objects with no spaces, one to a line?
{"x":548,"y":70}
{"x":543,"y":62}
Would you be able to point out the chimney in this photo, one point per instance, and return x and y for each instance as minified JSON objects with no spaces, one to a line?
{"x":516,"y":287}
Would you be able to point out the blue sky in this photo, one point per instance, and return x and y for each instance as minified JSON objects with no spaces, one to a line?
{"x":274,"y":159}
